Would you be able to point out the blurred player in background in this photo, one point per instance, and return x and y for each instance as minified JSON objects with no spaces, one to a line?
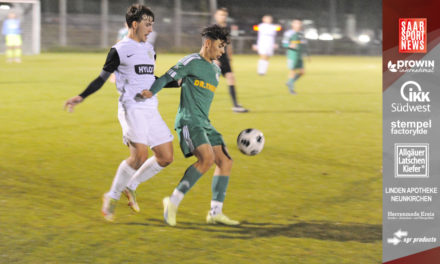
{"x":266,"y":42}
{"x":200,"y":77}
{"x":12,"y":32}
{"x":133,"y":61}
{"x":221,"y":16}
{"x":294,"y":42}
{"x":152,"y":38}
{"x":122,"y":32}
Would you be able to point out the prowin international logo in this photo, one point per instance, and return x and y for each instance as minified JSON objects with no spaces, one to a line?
{"x":411,"y":91}
{"x":412,"y":66}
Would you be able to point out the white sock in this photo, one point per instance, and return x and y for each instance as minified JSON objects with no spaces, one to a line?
{"x":177,"y":197}
{"x":123,"y":175}
{"x":144,"y":173}
{"x":262,"y":66}
{"x":216,"y":207}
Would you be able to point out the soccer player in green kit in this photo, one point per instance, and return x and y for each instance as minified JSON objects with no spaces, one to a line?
{"x":294,"y":41}
{"x":200,"y":77}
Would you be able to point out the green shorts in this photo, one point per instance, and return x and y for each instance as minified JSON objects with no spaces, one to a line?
{"x":13,"y":40}
{"x":294,"y":64}
{"x":190,"y":137}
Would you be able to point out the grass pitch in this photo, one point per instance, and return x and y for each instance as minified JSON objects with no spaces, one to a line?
{"x":312,"y":196}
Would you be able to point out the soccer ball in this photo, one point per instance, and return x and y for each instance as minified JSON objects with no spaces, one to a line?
{"x":250,"y":141}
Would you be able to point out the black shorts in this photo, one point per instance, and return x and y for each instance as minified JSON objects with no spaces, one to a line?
{"x":225,"y":66}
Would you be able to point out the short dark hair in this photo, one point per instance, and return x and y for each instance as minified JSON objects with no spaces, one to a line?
{"x":223,"y":9}
{"x":136,"y":12}
{"x":215,"y":32}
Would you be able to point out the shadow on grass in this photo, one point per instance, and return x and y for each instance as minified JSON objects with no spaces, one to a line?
{"x":364,"y":233}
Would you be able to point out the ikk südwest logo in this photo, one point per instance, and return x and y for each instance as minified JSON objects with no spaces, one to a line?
{"x":412,"y":35}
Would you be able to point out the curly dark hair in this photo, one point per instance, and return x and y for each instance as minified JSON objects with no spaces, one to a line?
{"x":215,"y":32}
{"x":136,"y":12}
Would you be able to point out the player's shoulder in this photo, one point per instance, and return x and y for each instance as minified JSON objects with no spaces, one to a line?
{"x":216,"y":67}
{"x":289,"y":33}
{"x":122,"y":44}
{"x":190,"y":59}
{"x":147,"y":45}
{"x":262,"y":26}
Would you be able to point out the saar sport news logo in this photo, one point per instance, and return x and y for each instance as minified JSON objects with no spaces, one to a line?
{"x":412,"y":35}
{"x":416,"y":99}
{"x":411,"y":66}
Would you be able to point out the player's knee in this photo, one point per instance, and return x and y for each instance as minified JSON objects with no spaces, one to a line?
{"x":226,"y":164}
{"x":230,"y":77}
{"x":206,"y":162}
{"x":165,"y":160}
{"x":139,"y":159}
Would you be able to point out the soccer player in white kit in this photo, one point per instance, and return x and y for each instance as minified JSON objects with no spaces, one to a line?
{"x":266,"y":43}
{"x":133,"y":60}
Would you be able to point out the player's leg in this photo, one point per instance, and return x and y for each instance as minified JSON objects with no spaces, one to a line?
{"x":291,"y":81}
{"x":230,"y":80}
{"x":17,"y":54}
{"x":134,"y":130}
{"x":163,"y":156}
{"x":226,"y":69}
{"x":17,"y":48}
{"x":193,"y":141}
{"x":125,"y":171}
{"x":296,"y":71}
{"x":299,"y":73}
{"x":9,"y":49}
{"x":160,"y":139}
{"x":205,"y":159}
{"x":265,"y":51}
{"x":220,"y":181}
{"x":263,"y":62}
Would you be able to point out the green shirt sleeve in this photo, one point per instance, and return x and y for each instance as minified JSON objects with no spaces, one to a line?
{"x":160,"y":83}
{"x":178,"y":71}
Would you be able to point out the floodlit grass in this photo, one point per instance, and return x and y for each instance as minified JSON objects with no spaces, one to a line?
{"x":312,"y":196}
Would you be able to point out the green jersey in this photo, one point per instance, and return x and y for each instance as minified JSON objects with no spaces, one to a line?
{"x":199,"y":82}
{"x":293,"y":37}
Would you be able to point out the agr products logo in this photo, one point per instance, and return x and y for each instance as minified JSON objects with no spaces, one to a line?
{"x":412,"y":35}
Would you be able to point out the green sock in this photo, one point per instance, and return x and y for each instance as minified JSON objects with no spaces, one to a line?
{"x":297,"y":77}
{"x":189,"y":179}
{"x":219,"y":186}
{"x":290,"y":81}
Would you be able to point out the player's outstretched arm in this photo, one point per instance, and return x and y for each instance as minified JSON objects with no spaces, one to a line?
{"x":70,"y":104}
{"x":111,"y":64}
{"x":94,"y":86}
{"x":157,"y":86}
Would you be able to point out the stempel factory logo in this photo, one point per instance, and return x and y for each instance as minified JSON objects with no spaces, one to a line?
{"x":412,"y":35}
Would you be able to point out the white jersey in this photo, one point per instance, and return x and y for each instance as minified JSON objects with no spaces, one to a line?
{"x":266,"y":34}
{"x":135,"y":72}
